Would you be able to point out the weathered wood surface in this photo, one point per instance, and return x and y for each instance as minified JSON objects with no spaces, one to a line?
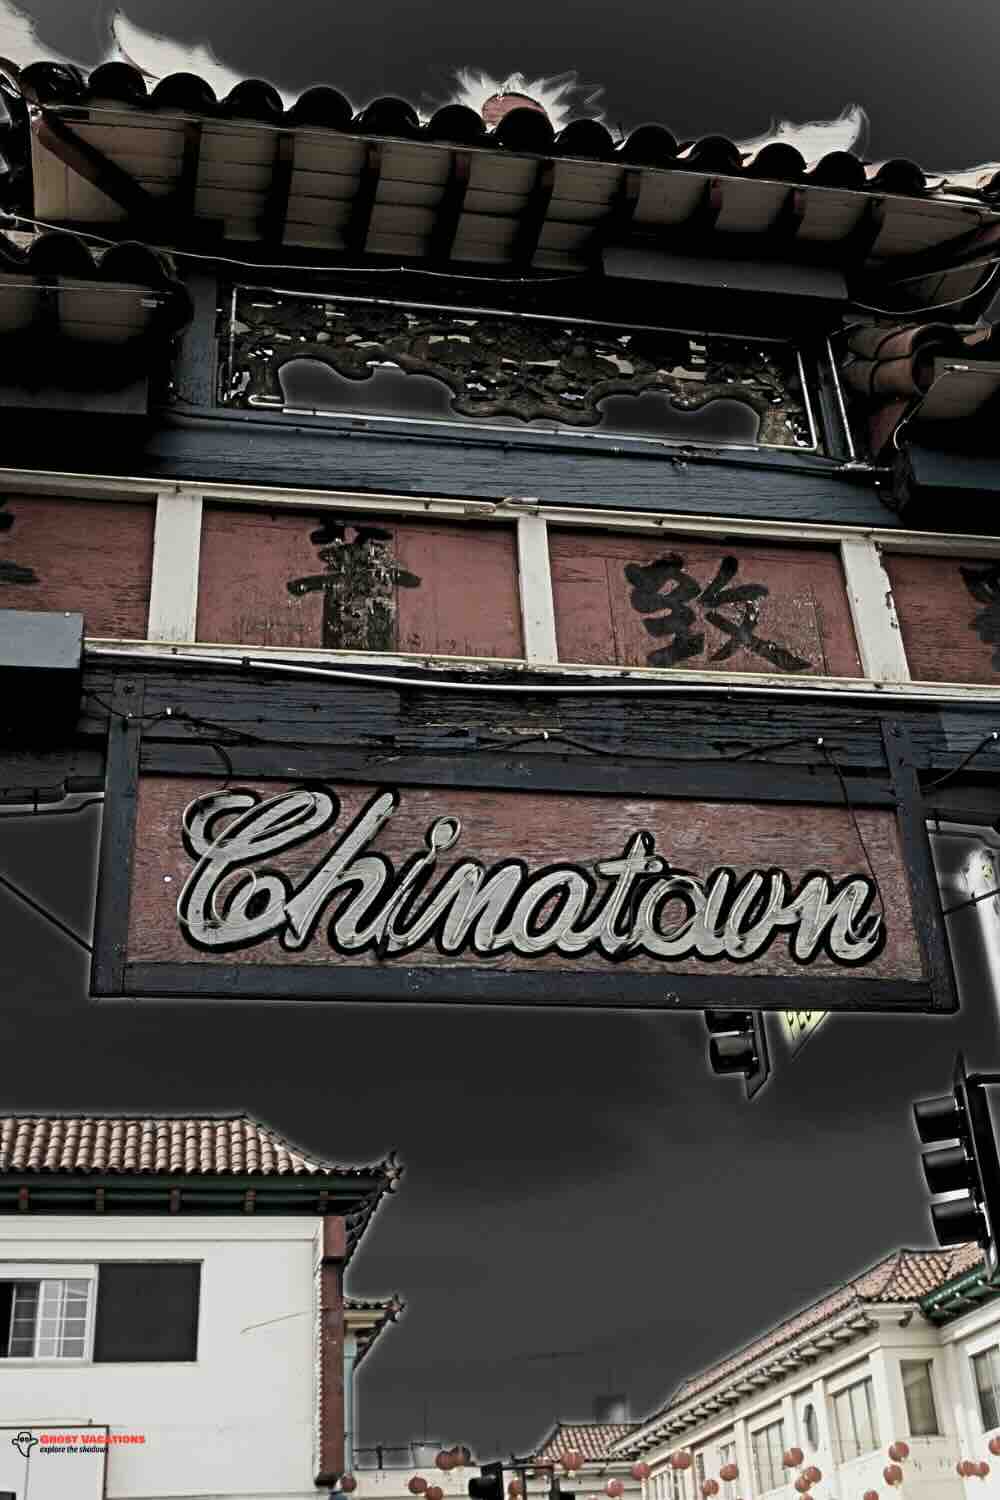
{"x":225,"y":703}
{"x":663,"y":601}
{"x":949,"y":616}
{"x":258,"y":449}
{"x":357,"y":583}
{"x":95,"y":559}
{"x":543,"y":830}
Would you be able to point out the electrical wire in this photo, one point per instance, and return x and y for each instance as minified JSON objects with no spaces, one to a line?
{"x":972,"y":901}
{"x":259,"y":265}
{"x":905,"y":312}
{"x":835,"y":764}
{"x":987,"y":739}
{"x":43,"y":911}
{"x":50,"y":812}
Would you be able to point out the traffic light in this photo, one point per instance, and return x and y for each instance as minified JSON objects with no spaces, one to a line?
{"x":738,"y":1044}
{"x":970,"y":1166}
{"x":489,"y":1485}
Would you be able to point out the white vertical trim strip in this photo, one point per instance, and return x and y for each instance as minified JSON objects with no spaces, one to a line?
{"x":173,"y":595}
{"x":873,"y":612}
{"x":534,"y":575}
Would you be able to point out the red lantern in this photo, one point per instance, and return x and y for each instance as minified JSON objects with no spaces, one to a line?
{"x":812,"y":1474}
{"x":433,"y":1492}
{"x":870,"y":1495}
{"x":639,"y":1471}
{"x":614,"y":1488}
{"x":803,"y":1485}
{"x":792,"y":1458}
{"x":710,"y":1487}
{"x":892,"y":1474}
{"x":967,"y":1468}
{"x":899,"y":1450}
{"x":445,"y":1461}
{"x":982,"y":1468}
{"x":572,"y":1460}
{"x":995,"y":1446}
{"x":348,"y":1483}
{"x":728,"y":1472}
{"x":681,"y":1459}
{"x":514,"y":1488}
{"x":417,"y":1485}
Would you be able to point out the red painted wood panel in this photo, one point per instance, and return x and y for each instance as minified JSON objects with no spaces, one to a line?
{"x":635,"y":600}
{"x":949,"y":616}
{"x":247,"y":559}
{"x":543,"y":829}
{"x":294,"y":578}
{"x":89,"y":556}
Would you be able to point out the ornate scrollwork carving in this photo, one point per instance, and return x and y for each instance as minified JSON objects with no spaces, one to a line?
{"x":496,"y":366}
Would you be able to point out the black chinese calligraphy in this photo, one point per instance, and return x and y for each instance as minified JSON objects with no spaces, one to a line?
{"x":984,"y":586}
{"x":358,"y":585}
{"x":681,"y":608}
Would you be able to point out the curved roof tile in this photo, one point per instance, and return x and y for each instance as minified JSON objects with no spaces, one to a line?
{"x":522,"y":130}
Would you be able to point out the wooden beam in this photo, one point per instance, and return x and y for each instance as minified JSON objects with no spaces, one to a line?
{"x":173,"y":593}
{"x":275,"y":213}
{"x":87,"y":162}
{"x":873,"y":613}
{"x":449,"y":211}
{"x":532,"y":221}
{"x":184,"y":194}
{"x":534,"y":573}
{"x":788,"y":220}
{"x":357,"y":226}
{"x":618,"y":220}
{"x":856,"y":246}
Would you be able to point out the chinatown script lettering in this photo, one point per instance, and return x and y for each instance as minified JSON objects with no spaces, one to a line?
{"x":634,"y":903}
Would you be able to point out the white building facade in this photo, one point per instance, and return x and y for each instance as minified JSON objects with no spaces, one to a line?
{"x":907,"y":1353}
{"x":200,"y":1347}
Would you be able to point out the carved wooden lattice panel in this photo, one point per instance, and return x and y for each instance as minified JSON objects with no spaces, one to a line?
{"x":331,"y":354}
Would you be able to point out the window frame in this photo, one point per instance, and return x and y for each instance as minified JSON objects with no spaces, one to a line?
{"x":775,"y":1472}
{"x":842,"y":1444}
{"x":927,"y":1365}
{"x":26,"y":1273}
{"x":992,"y":1352}
{"x":828,"y":422}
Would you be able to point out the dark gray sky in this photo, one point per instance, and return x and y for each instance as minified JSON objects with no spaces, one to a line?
{"x":924,"y":73}
{"x":575,"y":1184}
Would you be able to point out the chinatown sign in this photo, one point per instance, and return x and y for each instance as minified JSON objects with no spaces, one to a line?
{"x":337,"y":889}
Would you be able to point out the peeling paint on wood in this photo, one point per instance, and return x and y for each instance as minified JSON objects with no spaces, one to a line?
{"x":949,"y":616}
{"x":94,"y":557}
{"x":342,"y":582}
{"x":666,"y":601}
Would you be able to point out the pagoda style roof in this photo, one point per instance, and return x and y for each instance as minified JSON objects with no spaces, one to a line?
{"x":156,"y":1164}
{"x":319,"y":181}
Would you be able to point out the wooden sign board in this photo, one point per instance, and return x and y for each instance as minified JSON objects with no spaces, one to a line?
{"x":376,"y":888}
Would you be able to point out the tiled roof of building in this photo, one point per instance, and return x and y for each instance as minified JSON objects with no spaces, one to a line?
{"x":523,"y":129}
{"x":386,"y":1310}
{"x":208,"y":1146}
{"x":905,"y":1276}
{"x":593,"y":1439}
{"x":926,"y":373}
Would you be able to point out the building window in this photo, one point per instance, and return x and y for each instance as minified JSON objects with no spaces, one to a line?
{"x":987,"y":1371}
{"x":918,"y":1392}
{"x":147,"y":1311}
{"x":117,"y":1312}
{"x":298,"y":352}
{"x":855,"y":1421}
{"x":45,"y":1319}
{"x":727,"y":1455}
{"x":768,"y":1446}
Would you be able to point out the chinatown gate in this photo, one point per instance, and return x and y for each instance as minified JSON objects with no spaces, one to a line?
{"x":490,"y":566}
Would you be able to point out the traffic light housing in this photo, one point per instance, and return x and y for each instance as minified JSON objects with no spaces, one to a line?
{"x":970,"y":1165}
{"x":738,"y":1044}
{"x":489,"y":1485}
